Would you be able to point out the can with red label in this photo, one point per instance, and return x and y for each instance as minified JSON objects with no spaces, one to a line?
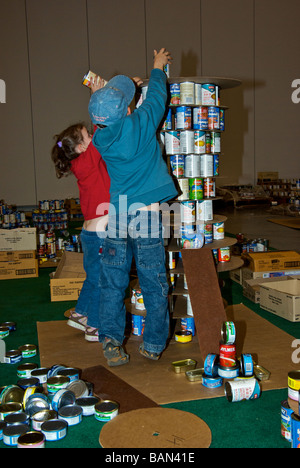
{"x":227,"y":355}
{"x":224,"y":254}
{"x":208,"y":187}
{"x":172,"y":142}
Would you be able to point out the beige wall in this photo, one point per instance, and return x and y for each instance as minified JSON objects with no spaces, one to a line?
{"x":48,"y":45}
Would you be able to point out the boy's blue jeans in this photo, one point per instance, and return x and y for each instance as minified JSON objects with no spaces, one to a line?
{"x":136,"y":235}
{"x":89,"y":299}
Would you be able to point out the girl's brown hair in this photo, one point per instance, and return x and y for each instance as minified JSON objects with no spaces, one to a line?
{"x":64,"y":150}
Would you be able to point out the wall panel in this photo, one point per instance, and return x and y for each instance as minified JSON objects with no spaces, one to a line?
{"x":17,"y":178}
{"x":58,"y":54}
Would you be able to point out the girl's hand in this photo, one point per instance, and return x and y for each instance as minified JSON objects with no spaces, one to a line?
{"x":161,"y":58}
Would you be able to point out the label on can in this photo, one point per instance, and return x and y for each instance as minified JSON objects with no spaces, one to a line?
{"x":224,"y":254}
{"x":185,"y":189}
{"x":204,"y":210}
{"x":227,"y":355}
{"x":187,"y":209}
{"x":199,"y":141}
{"x":177,"y":163}
{"x":211,"y":365}
{"x":183,"y":118}
{"x":200,"y":118}
{"x":208,"y":94}
{"x":218,"y":231}
{"x":196,"y":188}
{"x":215,"y":142}
{"x":213,"y":118}
{"x":187,"y":142}
{"x":187,"y":92}
{"x":175,"y":94}
{"x":243,"y":389}
{"x":192,"y":165}
{"x":172,"y":142}
{"x":207,"y":165}
{"x":295,"y":430}
{"x":286,"y":421}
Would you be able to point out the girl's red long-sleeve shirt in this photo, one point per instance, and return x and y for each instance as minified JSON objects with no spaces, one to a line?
{"x":93,"y":182}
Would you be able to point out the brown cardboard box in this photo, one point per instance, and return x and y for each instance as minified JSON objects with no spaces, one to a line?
{"x":282,"y":298}
{"x":19,"y":264}
{"x":66,"y":282}
{"x":272,"y":261}
{"x":18,"y":239}
{"x":251,"y":289}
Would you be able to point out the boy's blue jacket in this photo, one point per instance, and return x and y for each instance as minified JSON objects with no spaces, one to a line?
{"x":132,"y":152}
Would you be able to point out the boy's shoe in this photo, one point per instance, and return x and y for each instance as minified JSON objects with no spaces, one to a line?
{"x":91,"y":334}
{"x":77,"y":321}
{"x":149,"y":354}
{"x":114,"y":353}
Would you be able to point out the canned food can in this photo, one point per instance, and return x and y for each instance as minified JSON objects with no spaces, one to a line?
{"x":57,"y":383}
{"x":41,"y":373}
{"x":187,"y":92}
{"x":243,"y":389}
{"x":218,"y":231}
{"x":208,"y":187}
{"x":224,"y":254}
{"x":198,"y":94}
{"x":138,"y":325}
{"x":208,"y":233}
{"x":172,"y":142}
{"x":228,"y":333}
{"x":106,"y":410}
{"x":213,"y":118}
{"x":4,"y":332}
{"x":11,"y":434}
{"x":32,"y":439}
{"x":222,"y":120}
{"x":54,"y":429}
{"x":175,"y":94}
{"x":27,"y":382}
{"x":88,"y":77}
{"x":28,"y":350}
{"x":11,"y":393}
{"x":204,"y":210}
{"x":167,"y":125}
{"x":183,"y":118}
{"x":72,"y":414}
{"x":139,"y":300}
{"x":187,"y":211}
{"x":183,"y":336}
{"x":40,"y":417}
{"x":294,"y":380}
{"x":215,"y":142}
{"x":62,"y":398}
{"x":185,"y":189}
{"x":177,"y":163}
{"x":247,"y":366}
{"x":87,"y":404}
{"x":192,"y":166}
{"x":199,"y":142}
{"x":212,"y":382}
{"x":286,"y":420}
{"x":188,"y":324}
{"x":227,"y":355}
{"x":295,"y":430}
{"x":70,"y":372}
{"x":216,"y":165}
{"x":36,"y":403}
{"x":187,"y":141}
{"x":11,"y":325}
{"x":196,"y":189}
{"x":200,"y":118}
{"x":207,"y":165}
{"x":13,"y":356}
{"x":208,"y":94}
{"x":9,"y":408}
{"x":211,"y":365}
{"x":79,"y":387}
{"x":16,"y":418}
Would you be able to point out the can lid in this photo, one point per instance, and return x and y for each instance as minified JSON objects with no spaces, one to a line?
{"x":54,"y":425}
{"x":106,"y":406}
{"x":31,"y":438}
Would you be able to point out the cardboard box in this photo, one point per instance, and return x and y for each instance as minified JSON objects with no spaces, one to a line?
{"x":66,"y":282}
{"x":18,"y":239}
{"x":243,"y":274}
{"x":251,"y":289}
{"x":272,"y":261}
{"x":19,"y":264}
{"x":282,"y":298}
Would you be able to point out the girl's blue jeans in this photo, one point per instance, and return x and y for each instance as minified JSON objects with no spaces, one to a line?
{"x":137,"y":235}
{"x":89,"y":299}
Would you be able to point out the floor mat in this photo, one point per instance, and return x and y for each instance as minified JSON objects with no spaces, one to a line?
{"x":270,"y":347}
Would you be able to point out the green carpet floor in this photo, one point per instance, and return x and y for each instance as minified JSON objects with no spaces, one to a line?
{"x":248,"y":424}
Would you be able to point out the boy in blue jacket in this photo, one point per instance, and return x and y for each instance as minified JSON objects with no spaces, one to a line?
{"x":139,"y":182}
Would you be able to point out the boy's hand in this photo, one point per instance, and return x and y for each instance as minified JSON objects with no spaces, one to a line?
{"x":97,"y":83}
{"x":161,"y":58}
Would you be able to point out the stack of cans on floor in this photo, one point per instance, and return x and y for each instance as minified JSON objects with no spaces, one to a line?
{"x":240,"y":380}
{"x":45,"y":402}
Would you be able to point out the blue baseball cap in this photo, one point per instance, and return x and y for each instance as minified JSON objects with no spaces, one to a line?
{"x":109,"y":104}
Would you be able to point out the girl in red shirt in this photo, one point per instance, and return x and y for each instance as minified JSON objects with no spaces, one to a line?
{"x":74,"y":153}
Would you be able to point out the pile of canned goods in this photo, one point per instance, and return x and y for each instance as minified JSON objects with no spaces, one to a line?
{"x":10,"y":218}
{"x":251,"y":245}
{"x":290,"y":411}
{"x":45,"y":402}
{"x":51,"y":214}
{"x":241,"y":376}
{"x":50,"y":242}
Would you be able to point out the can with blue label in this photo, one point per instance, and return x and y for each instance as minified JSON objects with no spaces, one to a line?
{"x":138,"y":324}
{"x":188,"y":324}
{"x":177,"y":162}
{"x":247,"y":367}
{"x":183,"y":118}
{"x":216,"y":165}
{"x":295,"y":418}
{"x":213,"y":118}
{"x":212,"y":382}
{"x":200,"y":118}
{"x":286,"y":420}
{"x":211,"y":365}
{"x":175,"y":94}
{"x":222,"y":120}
